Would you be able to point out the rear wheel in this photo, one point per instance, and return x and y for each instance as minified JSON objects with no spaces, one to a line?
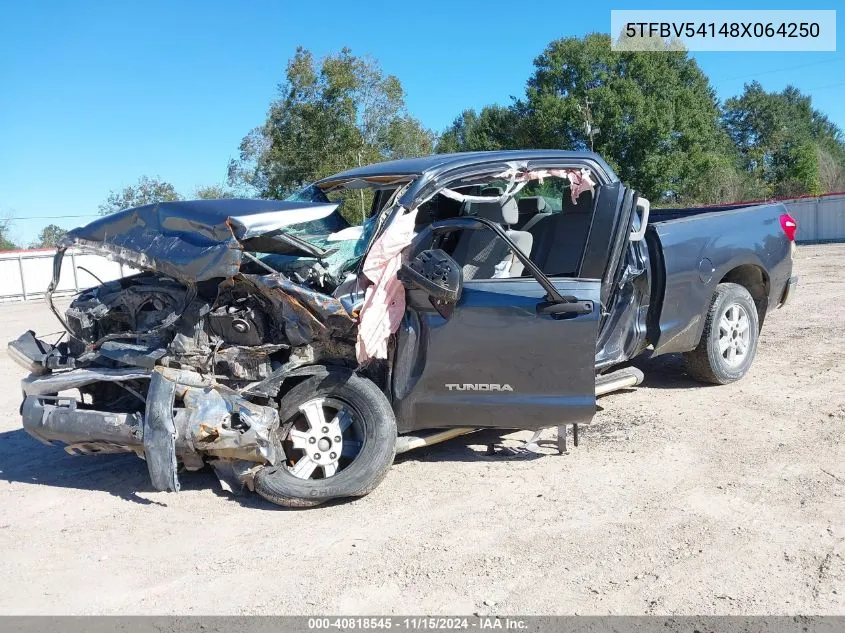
{"x":729,"y":340}
{"x":339,"y":436}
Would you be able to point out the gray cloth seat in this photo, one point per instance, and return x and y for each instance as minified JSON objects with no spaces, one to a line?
{"x":529,"y":208}
{"x":483,"y":254}
{"x":559,"y":239}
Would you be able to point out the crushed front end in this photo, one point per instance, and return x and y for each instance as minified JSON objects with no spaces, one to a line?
{"x":181,"y":363}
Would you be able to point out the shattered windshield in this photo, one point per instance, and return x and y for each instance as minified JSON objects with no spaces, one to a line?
{"x":344,"y":242}
{"x":346,"y":232}
{"x":311,"y":193}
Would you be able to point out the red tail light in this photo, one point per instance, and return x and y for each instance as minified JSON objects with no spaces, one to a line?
{"x":789,"y":226}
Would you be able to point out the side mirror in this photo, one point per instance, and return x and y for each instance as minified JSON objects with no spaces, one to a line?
{"x":437,"y":275}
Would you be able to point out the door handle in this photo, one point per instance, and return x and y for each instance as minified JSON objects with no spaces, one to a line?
{"x":565,"y":308}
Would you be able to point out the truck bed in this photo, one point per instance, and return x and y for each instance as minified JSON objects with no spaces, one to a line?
{"x":701,"y":247}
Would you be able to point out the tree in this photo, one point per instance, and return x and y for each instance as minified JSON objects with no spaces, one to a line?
{"x":784,"y":142}
{"x":831,"y":171}
{"x":6,"y":243}
{"x":329,"y":117}
{"x":213,"y":192}
{"x":49,"y":237}
{"x":146,"y":191}
{"x":495,"y":127}
{"x":719,"y":179}
{"x":656,"y":113}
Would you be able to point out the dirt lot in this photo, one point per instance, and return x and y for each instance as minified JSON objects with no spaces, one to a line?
{"x":681,"y":499}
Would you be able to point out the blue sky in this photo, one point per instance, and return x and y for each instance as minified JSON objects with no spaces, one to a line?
{"x":95,"y":94}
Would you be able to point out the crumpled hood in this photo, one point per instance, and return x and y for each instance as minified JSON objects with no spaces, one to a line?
{"x":196,"y":240}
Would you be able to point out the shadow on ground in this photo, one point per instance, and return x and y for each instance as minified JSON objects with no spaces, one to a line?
{"x":24,"y":459}
{"x":666,"y":372}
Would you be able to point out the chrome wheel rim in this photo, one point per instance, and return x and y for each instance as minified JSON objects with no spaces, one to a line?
{"x":324,"y":437}
{"x":734,"y":335}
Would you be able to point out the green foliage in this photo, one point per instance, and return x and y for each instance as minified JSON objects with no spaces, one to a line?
{"x":146,"y":191}
{"x":655,"y":118}
{"x":213,"y":192}
{"x":652,"y":115}
{"x":6,"y":244}
{"x":494,"y":128}
{"x":787,"y":145}
{"x":340,"y":113}
{"x":656,"y":112}
{"x":717,"y":178}
{"x":49,"y":237}
{"x":805,"y":177}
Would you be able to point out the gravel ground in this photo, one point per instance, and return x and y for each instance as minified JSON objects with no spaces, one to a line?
{"x":681,"y":499}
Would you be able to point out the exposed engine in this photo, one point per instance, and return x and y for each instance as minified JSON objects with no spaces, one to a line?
{"x":230,"y":329}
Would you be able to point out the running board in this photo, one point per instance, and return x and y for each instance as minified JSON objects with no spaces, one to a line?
{"x":405,"y":443}
{"x":619,"y":379}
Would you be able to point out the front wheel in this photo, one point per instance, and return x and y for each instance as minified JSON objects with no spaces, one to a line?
{"x":729,"y":340}
{"x":339,"y":436}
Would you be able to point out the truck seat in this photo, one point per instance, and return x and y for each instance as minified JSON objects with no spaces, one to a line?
{"x":529,"y":208}
{"x":483,"y":254}
{"x":559,"y":240}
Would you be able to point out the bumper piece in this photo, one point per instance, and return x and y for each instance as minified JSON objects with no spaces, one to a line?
{"x":37,"y":356}
{"x":160,"y":434}
{"x":788,"y":291}
{"x":187,"y":418}
{"x":57,"y":419}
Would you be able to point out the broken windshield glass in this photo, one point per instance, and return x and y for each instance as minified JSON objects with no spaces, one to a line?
{"x":344,"y":244}
{"x":345,"y":234}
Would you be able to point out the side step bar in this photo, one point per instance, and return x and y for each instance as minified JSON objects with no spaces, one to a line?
{"x":405,"y":443}
{"x":619,"y":379}
{"x":606,"y":383}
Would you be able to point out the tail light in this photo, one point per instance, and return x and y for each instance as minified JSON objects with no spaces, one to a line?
{"x":789,"y":226}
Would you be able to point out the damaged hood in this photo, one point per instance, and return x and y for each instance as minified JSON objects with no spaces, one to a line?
{"x":196,"y":240}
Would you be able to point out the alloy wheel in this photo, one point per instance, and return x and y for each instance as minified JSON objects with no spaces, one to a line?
{"x":324,"y":438}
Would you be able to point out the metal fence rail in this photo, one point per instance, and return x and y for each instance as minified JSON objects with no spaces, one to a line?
{"x":819,"y":219}
{"x":24,"y":275}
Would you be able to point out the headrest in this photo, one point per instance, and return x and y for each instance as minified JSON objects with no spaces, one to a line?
{"x":532,"y":206}
{"x":507,"y":213}
{"x":492,"y":191}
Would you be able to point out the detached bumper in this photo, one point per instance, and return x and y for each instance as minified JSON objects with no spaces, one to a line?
{"x":788,"y":291}
{"x":56,"y":418}
{"x":184,"y":417}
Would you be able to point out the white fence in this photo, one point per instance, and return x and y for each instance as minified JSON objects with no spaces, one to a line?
{"x":819,"y":219}
{"x":25,"y":275}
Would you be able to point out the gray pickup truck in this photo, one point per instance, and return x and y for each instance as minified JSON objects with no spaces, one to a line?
{"x":297,"y":354}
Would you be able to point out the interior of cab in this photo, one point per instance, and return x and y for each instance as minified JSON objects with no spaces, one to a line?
{"x":541,"y":220}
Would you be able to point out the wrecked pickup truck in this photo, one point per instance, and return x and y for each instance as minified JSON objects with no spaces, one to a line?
{"x":297,"y":354}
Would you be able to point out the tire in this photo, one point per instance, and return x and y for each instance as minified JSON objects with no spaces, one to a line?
{"x":374,"y":420}
{"x":713,"y":361}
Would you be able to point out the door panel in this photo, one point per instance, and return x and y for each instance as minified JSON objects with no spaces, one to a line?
{"x":496,"y":362}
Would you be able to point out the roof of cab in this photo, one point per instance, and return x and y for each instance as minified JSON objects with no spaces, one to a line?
{"x":436,"y":164}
